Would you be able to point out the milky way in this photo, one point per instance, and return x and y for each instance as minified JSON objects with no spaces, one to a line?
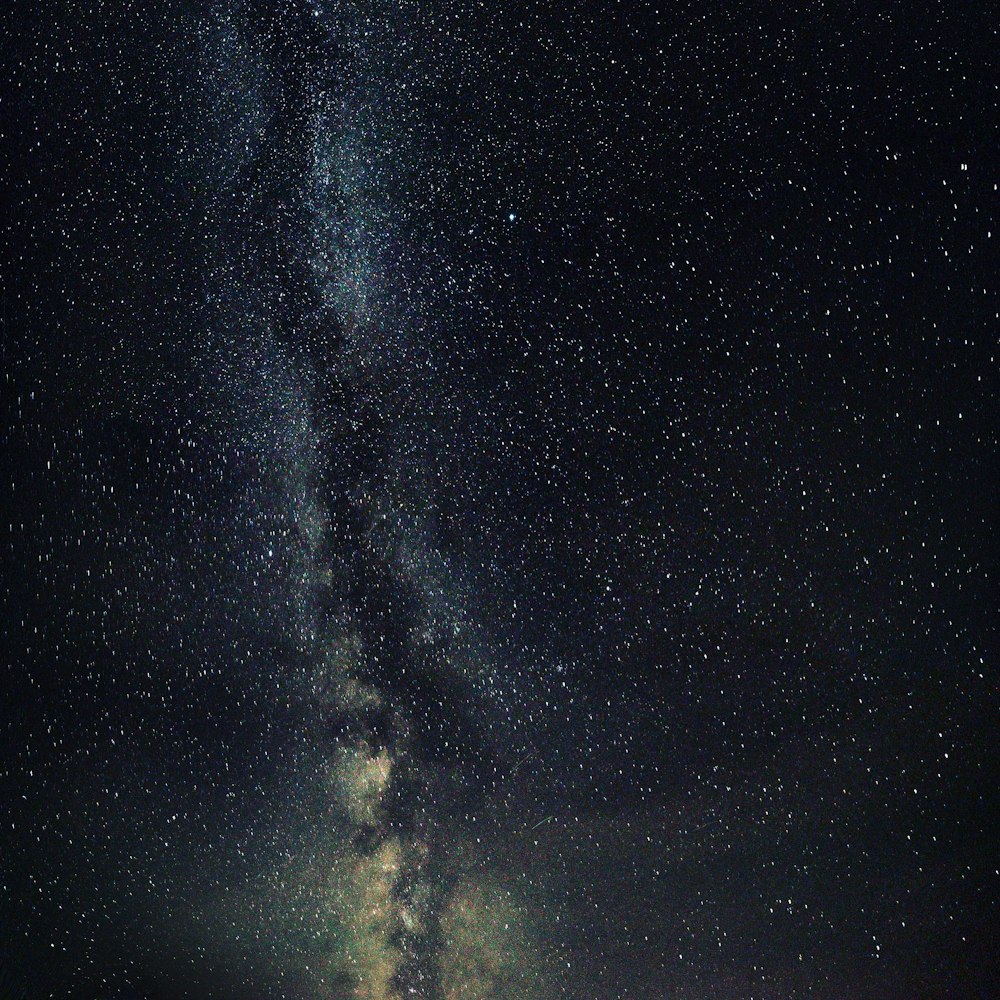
{"x":345,"y":355}
{"x":498,"y":502}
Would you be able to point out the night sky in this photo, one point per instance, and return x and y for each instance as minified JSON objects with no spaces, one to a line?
{"x":498,"y":501}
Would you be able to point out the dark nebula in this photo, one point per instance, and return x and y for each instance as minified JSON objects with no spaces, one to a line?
{"x":498,"y":501}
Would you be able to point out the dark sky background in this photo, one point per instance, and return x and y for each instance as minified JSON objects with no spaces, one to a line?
{"x":498,"y":501}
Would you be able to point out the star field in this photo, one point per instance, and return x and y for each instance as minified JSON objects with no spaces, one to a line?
{"x":498,"y":501}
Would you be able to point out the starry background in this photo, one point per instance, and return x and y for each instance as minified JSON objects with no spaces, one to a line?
{"x":497,"y":501}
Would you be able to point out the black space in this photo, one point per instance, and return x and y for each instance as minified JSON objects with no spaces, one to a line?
{"x":499,"y":501}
